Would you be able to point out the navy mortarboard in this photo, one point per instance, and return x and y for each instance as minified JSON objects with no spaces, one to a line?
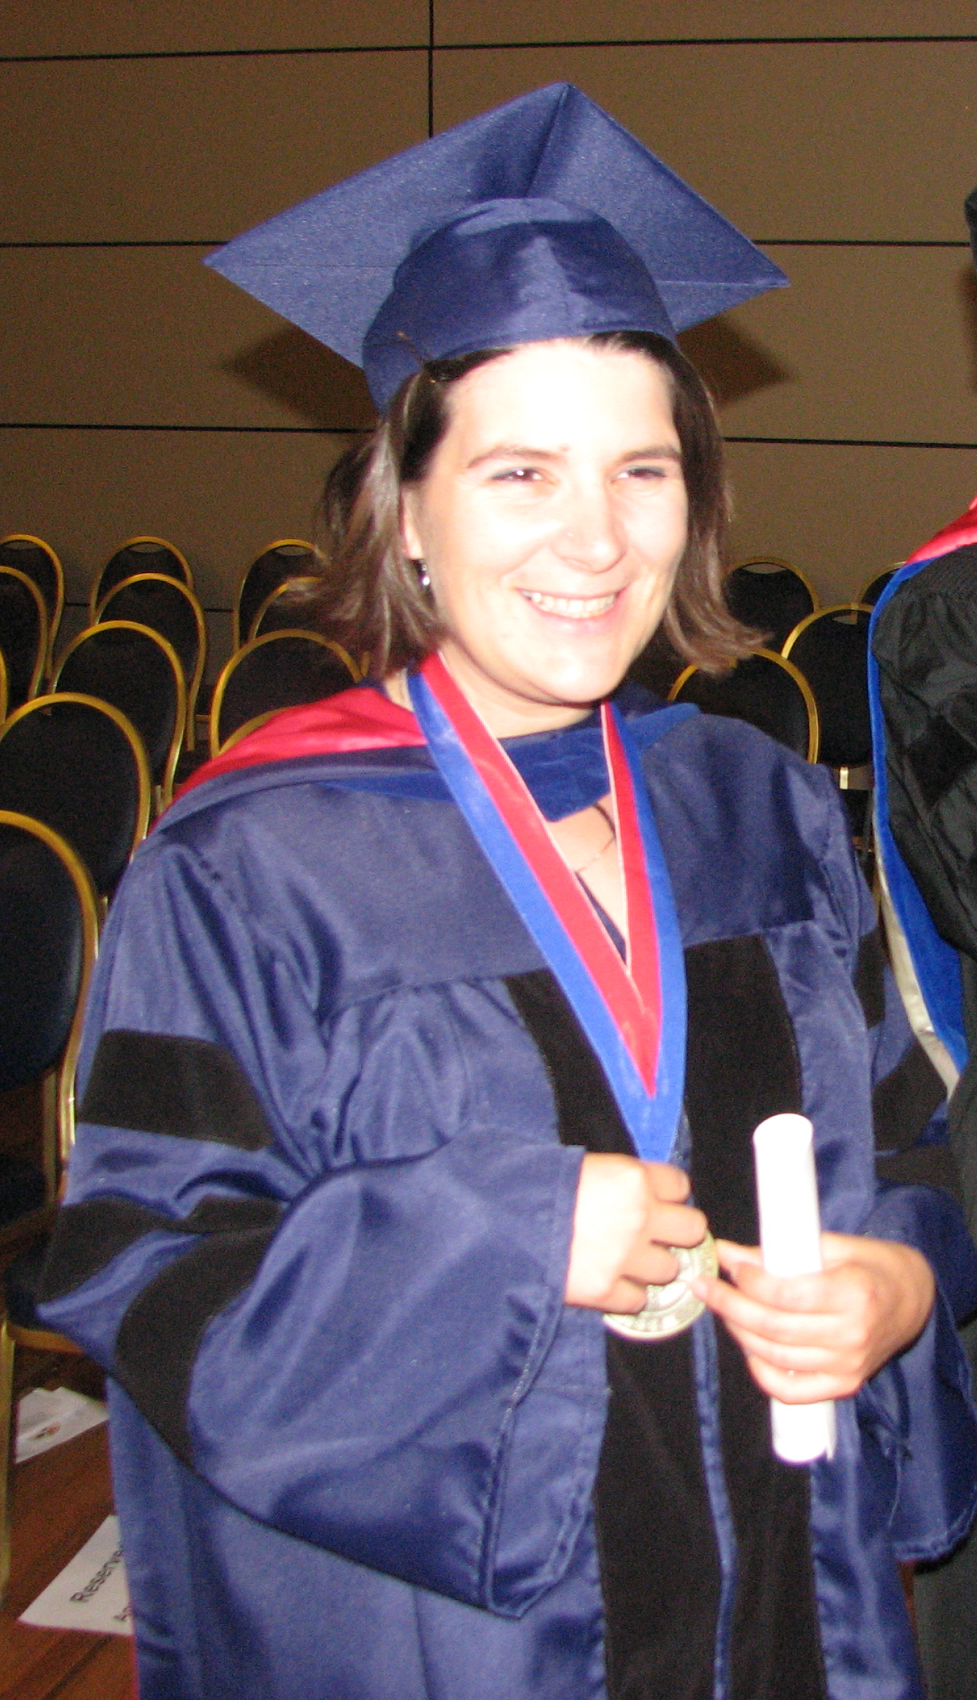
{"x":543,"y":218}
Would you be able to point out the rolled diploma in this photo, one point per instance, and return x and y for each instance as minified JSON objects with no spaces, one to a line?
{"x":790,"y":1240}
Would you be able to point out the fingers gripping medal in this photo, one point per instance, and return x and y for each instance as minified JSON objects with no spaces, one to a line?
{"x":673,"y":1307}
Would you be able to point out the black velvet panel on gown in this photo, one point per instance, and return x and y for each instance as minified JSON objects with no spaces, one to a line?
{"x":659,"y":1559}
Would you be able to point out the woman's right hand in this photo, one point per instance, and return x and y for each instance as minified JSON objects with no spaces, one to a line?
{"x":628,"y":1214}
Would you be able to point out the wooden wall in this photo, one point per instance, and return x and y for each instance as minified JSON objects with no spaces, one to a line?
{"x":139,"y":392}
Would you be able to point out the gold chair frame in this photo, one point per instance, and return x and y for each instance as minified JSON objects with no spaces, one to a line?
{"x":779,"y":565}
{"x":54,"y":617}
{"x":59,"y":1138}
{"x":813,"y":719}
{"x":849,"y":778}
{"x":249,"y":726}
{"x":145,"y":778}
{"x":164,"y":791}
{"x":96,"y":594}
{"x":230,"y":667}
{"x":274,"y":596}
{"x":191,"y":598}
{"x":41,"y":659}
{"x":239,"y":640}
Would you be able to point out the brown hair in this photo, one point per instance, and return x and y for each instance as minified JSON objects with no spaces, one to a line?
{"x":371,"y":597}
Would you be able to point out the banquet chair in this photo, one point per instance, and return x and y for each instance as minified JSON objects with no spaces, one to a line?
{"x":764,"y":690}
{"x":289,"y":606}
{"x":771,"y":596}
{"x":139,"y":555}
{"x":830,"y":647}
{"x":290,"y":557}
{"x":245,"y":730}
{"x":38,"y":560}
{"x":279,"y":670}
{"x":79,"y":765}
{"x":48,"y":940}
{"x":23,"y":634}
{"x":870,"y":592}
{"x":138,"y":671}
{"x":170,"y":608}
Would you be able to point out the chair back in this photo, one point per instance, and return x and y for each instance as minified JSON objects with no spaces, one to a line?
{"x":831,"y":649}
{"x":23,"y":634}
{"x":139,"y":555}
{"x":771,"y":596}
{"x":170,"y":608}
{"x":279,"y":670}
{"x":870,"y":592}
{"x":289,"y":607}
{"x":764,"y":690}
{"x":48,"y":935}
{"x":139,"y":672}
{"x":290,"y":557}
{"x":38,"y":560}
{"x":79,"y":765}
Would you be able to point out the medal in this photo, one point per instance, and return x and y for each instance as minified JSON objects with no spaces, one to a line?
{"x":671,"y":1308}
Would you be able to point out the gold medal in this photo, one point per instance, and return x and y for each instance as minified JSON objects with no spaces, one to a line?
{"x":674,"y":1307}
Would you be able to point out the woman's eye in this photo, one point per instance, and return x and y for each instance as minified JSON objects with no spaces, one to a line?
{"x":516,"y":475}
{"x":651,"y":471}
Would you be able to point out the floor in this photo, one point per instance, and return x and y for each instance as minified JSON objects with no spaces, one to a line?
{"x":60,"y":1499}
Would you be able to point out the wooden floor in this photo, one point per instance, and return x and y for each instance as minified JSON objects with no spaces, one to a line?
{"x":60,"y":1498}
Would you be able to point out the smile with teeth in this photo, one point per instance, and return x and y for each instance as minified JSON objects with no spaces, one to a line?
{"x":572,"y":607}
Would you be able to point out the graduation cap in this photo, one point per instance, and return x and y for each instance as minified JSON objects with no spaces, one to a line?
{"x":541,"y":219}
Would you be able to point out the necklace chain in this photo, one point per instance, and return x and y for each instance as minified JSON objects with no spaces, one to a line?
{"x":591,"y":860}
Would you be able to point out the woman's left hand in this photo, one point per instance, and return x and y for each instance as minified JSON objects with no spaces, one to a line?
{"x":810,"y":1337}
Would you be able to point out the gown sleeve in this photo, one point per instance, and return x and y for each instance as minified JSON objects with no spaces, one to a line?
{"x":372,"y":1356}
{"x":917,"y":1413}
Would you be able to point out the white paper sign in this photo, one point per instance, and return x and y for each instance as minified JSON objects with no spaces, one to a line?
{"x":91,"y":1592}
{"x":46,"y":1418}
{"x":790,"y":1239}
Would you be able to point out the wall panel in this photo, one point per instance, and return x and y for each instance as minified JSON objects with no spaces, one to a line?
{"x":828,"y":142}
{"x":867,"y":342}
{"x":182,"y":26}
{"x":221,"y":496}
{"x":157,"y":338}
{"x":512,"y":21}
{"x":193,"y":149}
{"x":843,"y":514}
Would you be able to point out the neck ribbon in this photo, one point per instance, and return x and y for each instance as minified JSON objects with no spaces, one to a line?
{"x":633,"y":1014}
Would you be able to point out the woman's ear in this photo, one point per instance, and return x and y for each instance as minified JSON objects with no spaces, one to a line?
{"x":410,"y":537}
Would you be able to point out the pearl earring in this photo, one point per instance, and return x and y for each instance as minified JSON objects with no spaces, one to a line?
{"x":423,"y":577}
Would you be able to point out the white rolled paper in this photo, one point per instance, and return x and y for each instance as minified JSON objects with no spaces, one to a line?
{"x":790,"y":1240}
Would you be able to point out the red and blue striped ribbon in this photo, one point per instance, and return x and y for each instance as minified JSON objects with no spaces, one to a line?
{"x":634,"y":1013}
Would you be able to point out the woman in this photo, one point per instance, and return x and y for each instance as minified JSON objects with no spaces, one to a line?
{"x":388,"y":1100}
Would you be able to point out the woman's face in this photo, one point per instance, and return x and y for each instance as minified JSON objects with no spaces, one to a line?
{"x":551,"y":522}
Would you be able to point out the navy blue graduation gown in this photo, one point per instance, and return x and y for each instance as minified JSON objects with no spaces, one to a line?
{"x":319,"y":1216}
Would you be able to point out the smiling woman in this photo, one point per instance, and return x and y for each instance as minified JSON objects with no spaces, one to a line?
{"x":375,"y":595}
{"x":432,"y":1026}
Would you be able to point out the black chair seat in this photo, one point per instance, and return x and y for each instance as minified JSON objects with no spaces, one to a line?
{"x":22,"y":1285}
{"x":279,"y":670}
{"x":772,"y":602}
{"x":289,"y":558}
{"x":762,"y":690}
{"x":68,"y":761}
{"x":22,"y":1189}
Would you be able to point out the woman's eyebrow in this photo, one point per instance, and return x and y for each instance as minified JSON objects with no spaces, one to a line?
{"x":655,"y":451}
{"x":525,"y":451}
{"x":516,"y":451}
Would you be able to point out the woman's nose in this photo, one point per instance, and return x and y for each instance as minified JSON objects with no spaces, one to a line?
{"x":590,"y":534}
